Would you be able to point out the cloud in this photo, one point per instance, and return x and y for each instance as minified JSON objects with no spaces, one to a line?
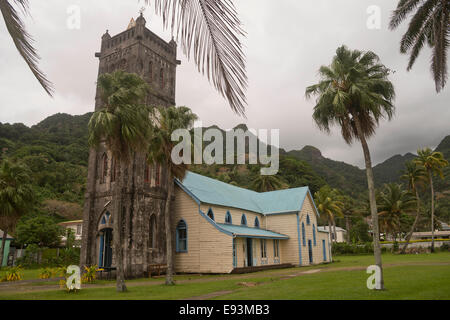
{"x":287,"y":41}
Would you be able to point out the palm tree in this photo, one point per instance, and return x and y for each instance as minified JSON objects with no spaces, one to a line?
{"x":432,"y":162}
{"x":429,"y":25}
{"x":348,"y":211}
{"x":265,"y":183}
{"x":393,"y":201}
{"x":415,"y":175}
{"x":22,"y":39}
{"x":166,"y":121}
{"x":328,"y":204}
{"x":355,"y":93}
{"x":122,"y":125}
{"x":16,"y":196}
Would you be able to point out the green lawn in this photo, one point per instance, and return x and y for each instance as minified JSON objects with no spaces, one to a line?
{"x":424,"y":276}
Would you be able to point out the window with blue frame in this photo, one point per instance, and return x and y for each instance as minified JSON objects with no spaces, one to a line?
{"x":244,"y":220}
{"x":314,"y":234}
{"x":228,"y":218}
{"x":256,"y":222}
{"x":210,"y":214}
{"x":308,"y":222}
{"x":181,"y":235}
{"x":324,"y":251}
{"x":303,"y":234}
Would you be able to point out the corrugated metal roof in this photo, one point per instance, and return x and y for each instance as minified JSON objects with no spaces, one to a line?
{"x":251,"y":232}
{"x":216,"y":192}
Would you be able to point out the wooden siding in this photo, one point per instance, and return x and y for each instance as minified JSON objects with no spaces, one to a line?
{"x":285,"y":224}
{"x":209,"y":250}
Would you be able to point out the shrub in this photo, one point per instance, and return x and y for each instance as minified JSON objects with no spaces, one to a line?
{"x":345,"y":248}
{"x":45,"y":273}
{"x":445,"y":247}
{"x":12,"y":274}
{"x":90,"y":275}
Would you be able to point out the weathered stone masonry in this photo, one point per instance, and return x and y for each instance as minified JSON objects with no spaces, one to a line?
{"x":135,"y":50}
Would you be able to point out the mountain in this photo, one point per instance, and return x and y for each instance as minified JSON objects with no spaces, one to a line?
{"x":56,"y":150}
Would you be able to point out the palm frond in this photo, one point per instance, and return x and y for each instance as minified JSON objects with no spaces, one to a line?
{"x":211,"y":30}
{"x":23,"y":41}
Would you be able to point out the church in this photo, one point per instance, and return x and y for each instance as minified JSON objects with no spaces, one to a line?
{"x":217,"y":227}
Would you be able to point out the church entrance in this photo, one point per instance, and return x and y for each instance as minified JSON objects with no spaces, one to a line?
{"x":105,"y":259}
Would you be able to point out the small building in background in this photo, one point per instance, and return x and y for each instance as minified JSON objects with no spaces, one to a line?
{"x":8,"y":241}
{"x":427,"y":235}
{"x":76,"y":226}
{"x":341,"y":233}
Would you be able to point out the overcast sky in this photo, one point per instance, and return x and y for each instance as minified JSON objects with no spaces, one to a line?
{"x":287,"y":41}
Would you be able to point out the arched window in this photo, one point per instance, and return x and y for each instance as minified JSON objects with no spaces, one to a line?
{"x":181,"y":236}
{"x":153,"y":231}
{"x":244,"y":220}
{"x":303,"y":234}
{"x":157,"y":175}
{"x":161,"y":77}
{"x":308,"y":222}
{"x":256,"y":222}
{"x":228,"y":218}
{"x":147,"y":174}
{"x":104,"y":170}
{"x":150,"y":71}
{"x":314,"y":234}
{"x":210,"y":214}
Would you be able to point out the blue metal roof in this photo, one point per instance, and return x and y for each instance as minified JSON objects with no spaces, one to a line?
{"x":212,"y":191}
{"x":242,"y":231}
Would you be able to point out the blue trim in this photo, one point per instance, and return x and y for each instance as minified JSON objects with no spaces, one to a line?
{"x":303,"y":235}
{"x":212,"y":222}
{"x":187,"y":191}
{"x":324,"y":251}
{"x":234,"y":253}
{"x":177,"y":238}
{"x":100,"y":258}
{"x":210,"y":211}
{"x":243,"y":220}
{"x":314,"y":234}
{"x":229,"y":218}
{"x":298,"y":240}
{"x":256,"y":222}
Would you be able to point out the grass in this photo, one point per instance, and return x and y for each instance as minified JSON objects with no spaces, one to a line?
{"x":422,"y":276}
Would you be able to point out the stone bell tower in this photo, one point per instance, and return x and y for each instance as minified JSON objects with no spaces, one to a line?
{"x":135,"y":50}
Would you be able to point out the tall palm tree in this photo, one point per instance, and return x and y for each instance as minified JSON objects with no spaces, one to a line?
{"x":16,"y":196}
{"x":22,"y":39}
{"x":393,"y":201}
{"x":355,"y":94}
{"x":432,"y":162}
{"x":328,"y":204}
{"x":265,"y":183}
{"x":123,"y":126}
{"x":165,"y":121}
{"x":429,"y":25}
{"x":416,"y":177}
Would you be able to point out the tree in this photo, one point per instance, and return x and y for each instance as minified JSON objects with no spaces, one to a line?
{"x":22,"y":39}
{"x":393,"y":202}
{"x":40,"y":230}
{"x":415,"y":175}
{"x":123,"y":126}
{"x":209,"y":28}
{"x":327,"y":203}
{"x":355,"y":93}
{"x":165,"y":122}
{"x":264,"y":183}
{"x":16,"y":196}
{"x":432,"y":162}
{"x":348,"y":211}
{"x":429,"y":25}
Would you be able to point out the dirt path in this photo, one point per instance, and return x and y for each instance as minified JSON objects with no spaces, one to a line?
{"x":26,"y":286}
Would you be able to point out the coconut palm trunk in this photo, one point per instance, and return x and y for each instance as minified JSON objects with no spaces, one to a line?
{"x":167,"y":222}
{"x":372,"y":199}
{"x":2,"y":250}
{"x":416,"y":221}
{"x":117,"y":231}
{"x":430,"y":177}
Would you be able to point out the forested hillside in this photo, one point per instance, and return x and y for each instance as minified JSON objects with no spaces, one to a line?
{"x":56,"y":151}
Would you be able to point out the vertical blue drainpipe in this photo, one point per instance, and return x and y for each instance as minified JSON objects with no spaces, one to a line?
{"x":298,"y":239}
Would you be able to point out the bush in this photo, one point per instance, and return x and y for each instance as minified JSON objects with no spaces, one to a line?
{"x":445,"y":247}
{"x":345,"y":248}
{"x":12,"y":274}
